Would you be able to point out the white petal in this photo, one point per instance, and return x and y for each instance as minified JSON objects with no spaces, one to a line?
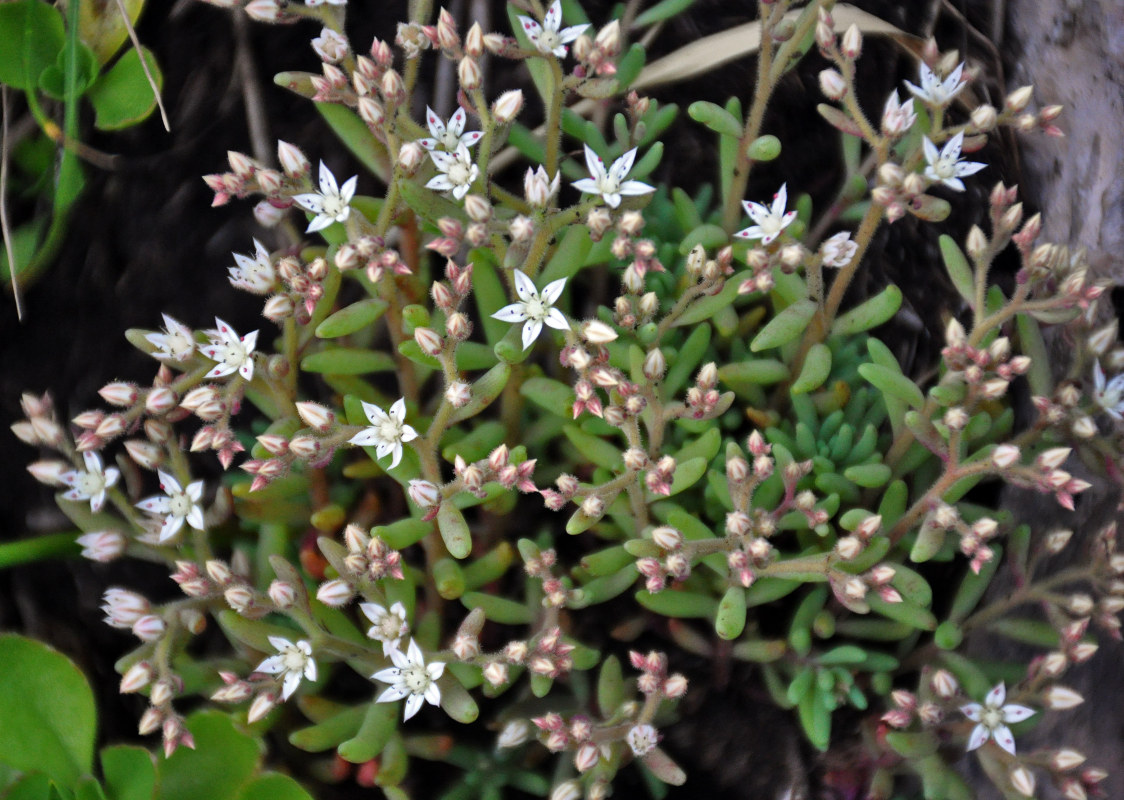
{"x":383,"y":449}
{"x":557,"y":320}
{"x":634,"y":188}
{"x":461,"y":190}
{"x":471,"y":138}
{"x":97,"y":501}
{"x":400,"y":659}
{"x":328,"y":183}
{"x":365,"y":438}
{"x":435,"y":670}
{"x":74,"y":494}
{"x":524,"y":286}
{"x":397,"y":457}
{"x":752,"y":232}
{"x":388,"y":675}
{"x":567,"y":35}
{"x":347,"y":191}
{"x":968,"y":168}
{"x":444,"y":161}
{"x":413,"y":705}
{"x":531,"y":28}
{"x":756,"y":211}
{"x":111,"y":476}
{"x":951,"y":149}
{"x":289,"y":685}
{"x":427,"y":143}
{"x":439,"y":183}
{"x":917,"y":90}
{"x":780,"y":200}
{"x":531,"y":329}
{"x":414,"y":653}
{"x":587,"y":185}
{"x":1002,"y":736}
{"x":310,"y":202}
{"x":931,"y":152}
{"x":1017,"y":713}
{"x":310,"y":670}
{"x":1098,"y":377}
{"x":398,"y":610}
{"x":319,"y":223}
{"x":195,"y":490}
{"x":280,"y":642}
{"x":456,"y":122}
{"x":996,"y":696}
{"x":408,"y":433}
{"x":436,"y":126}
{"x":553,"y":19}
{"x":433,"y":695}
{"x":271,"y":665}
{"x":195,"y":518}
{"x":596,"y":165}
{"x":979,"y":736}
{"x":622,"y":165}
{"x":374,"y":612}
{"x":92,"y":461}
{"x":375,"y":415}
{"x":613,"y":199}
{"x":552,"y":291}
{"x":157,"y":504}
{"x":972,"y":711}
{"x":393,"y":694}
{"x":247,"y":369}
{"x":398,"y":410}
{"x":170,"y":528}
{"x":512,"y":313}
{"x":954,"y":183}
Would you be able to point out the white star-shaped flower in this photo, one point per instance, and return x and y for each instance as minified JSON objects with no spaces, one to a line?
{"x":412,"y":678}
{"x":448,"y":136}
{"x":769,"y":220}
{"x":550,"y":37}
{"x":1108,"y":394}
{"x":293,"y":661}
{"x":178,"y":505}
{"x":534,"y":309}
{"x":387,"y":432}
{"x":253,"y":274}
{"x":935,"y":91}
{"x":610,"y":184}
{"x":91,"y":483}
{"x":838,"y":250}
{"x":457,"y":172}
{"x":331,"y":203}
{"x":176,"y":342}
{"x":946,"y":166}
{"x":992,"y":718}
{"x":389,"y":626}
{"x":234,"y":354}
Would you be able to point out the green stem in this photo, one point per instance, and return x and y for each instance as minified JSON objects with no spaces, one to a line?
{"x":39,"y":548}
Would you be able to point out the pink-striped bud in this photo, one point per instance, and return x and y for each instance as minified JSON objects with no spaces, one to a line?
{"x":507,"y":106}
{"x":335,"y":593}
{"x":119,"y":393}
{"x":149,"y":628}
{"x":316,"y":416}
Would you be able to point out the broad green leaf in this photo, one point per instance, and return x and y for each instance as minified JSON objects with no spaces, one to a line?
{"x":785,"y":326}
{"x":220,"y":765}
{"x":47,"y":711}
{"x":329,"y":732}
{"x":554,"y":396}
{"x":869,"y":314}
{"x":958,"y":268}
{"x":764,"y":148}
{"x":52,"y":81}
{"x":33,"y":35}
{"x":130,"y":772}
{"x":275,"y":786}
{"x":123,"y":96}
{"x":353,"y":132}
{"x":102,"y":28}
{"x":817,"y":366}
{"x":428,"y":204}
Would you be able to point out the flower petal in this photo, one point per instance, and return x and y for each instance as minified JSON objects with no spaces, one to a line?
{"x":635,"y":188}
{"x":271,"y":665}
{"x":553,"y":19}
{"x":388,"y":675}
{"x":531,"y":329}
{"x":413,"y":705}
{"x":289,"y":685}
{"x":396,"y":450}
{"x":531,"y":28}
{"x":195,"y":518}
{"x":365,"y":438}
{"x":587,"y":185}
{"x":1017,"y":713}
{"x":979,"y":736}
{"x":433,"y":694}
{"x":622,"y":165}
{"x":397,"y":410}
{"x":1002,"y":736}
{"x":328,"y":183}
{"x":434,"y":123}
{"x":347,"y":191}
{"x":457,"y":121}
{"x":170,"y":528}
{"x":972,"y":711}
{"x":512,"y":313}
{"x":996,"y":696}
{"x":552,"y":291}
{"x":393,"y":694}
{"x":524,"y":286}
{"x":595,"y":165}
{"x":557,"y":320}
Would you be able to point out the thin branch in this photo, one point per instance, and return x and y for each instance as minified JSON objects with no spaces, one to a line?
{"x":144,"y":64}
{"x":4,"y":226}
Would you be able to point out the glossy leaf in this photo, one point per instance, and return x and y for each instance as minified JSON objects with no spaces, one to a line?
{"x":785,"y":326}
{"x":123,"y":96}
{"x":348,"y":361}
{"x":454,"y":531}
{"x":33,"y":34}
{"x":959,"y":271}
{"x":893,"y":384}
{"x":130,"y":772}
{"x":352,"y":318}
{"x":220,"y":765}
{"x":498,"y":609}
{"x":730,"y":619}
{"x":817,"y":366}
{"x":274,"y":786}
{"x":870,"y":313}
{"x":716,"y":118}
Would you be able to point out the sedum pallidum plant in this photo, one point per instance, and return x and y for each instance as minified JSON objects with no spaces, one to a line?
{"x":476,"y":508}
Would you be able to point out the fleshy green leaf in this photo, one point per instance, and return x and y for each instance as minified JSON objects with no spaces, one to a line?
{"x":46,"y":711}
{"x":454,"y":530}
{"x":348,"y":361}
{"x":870,"y":313}
{"x":275,"y":786}
{"x":817,"y":366}
{"x":716,"y":118}
{"x":958,"y":268}
{"x":785,"y":326}
{"x":893,"y":383}
{"x":352,"y":318}
{"x":130,"y":772}
{"x":33,"y":34}
{"x":220,"y":765}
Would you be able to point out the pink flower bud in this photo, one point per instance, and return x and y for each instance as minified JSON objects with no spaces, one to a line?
{"x":469,"y":74}
{"x":282,"y":594}
{"x":507,"y":106}
{"x":103,"y":546}
{"x":1005,"y":455}
{"x":429,"y":341}
{"x":119,"y":393}
{"x":832,"y":84}
{"x":335,"y":593}
{"x":1060,"y":698}
{"x":316,"y":416}
{"x":261,"y":706}
{"x":149,"y":628}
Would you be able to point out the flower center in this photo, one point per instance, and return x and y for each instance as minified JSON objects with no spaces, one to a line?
{"x":458,"y":174}
{"x":389,"y":431}
{"x":334,"y":207}
{"x":416,"y":679}
{"x":991,"y":718}
{"x":293,"y":660}
{"x":90,"y":483}
{"x":945,"y":167}
{"x":179,"y":504}
{"x":450,"y":140}
{"x":549,"y":40}
{"x":389,"y":626}
{"x":771,"y":224}
{"x":535,"y":309}
{"x":233,"y":354}
{"x":179,"y":345}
